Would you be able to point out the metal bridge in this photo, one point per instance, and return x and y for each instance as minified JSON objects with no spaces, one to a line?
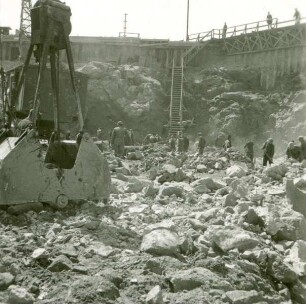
{"x":252,"y":37}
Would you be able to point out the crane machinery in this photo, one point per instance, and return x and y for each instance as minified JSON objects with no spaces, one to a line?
{"x":63,"y":170}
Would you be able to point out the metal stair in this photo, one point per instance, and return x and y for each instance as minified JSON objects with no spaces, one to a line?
{"x":176,"y":105}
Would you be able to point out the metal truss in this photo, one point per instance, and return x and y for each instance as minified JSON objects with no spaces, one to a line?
{"x":280,"y":38}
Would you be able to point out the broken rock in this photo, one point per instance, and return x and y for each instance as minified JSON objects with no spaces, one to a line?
{"x":60,"y":263}
{"x":19,"y":295}
{"x":6,"y":279}
{"x":230,"y":237}
{"x":243,"y":296}
{"x":155,"y":296}
{"x":160,"y":242}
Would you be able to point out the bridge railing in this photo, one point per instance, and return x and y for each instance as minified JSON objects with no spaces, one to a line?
{"x":241,"y":29}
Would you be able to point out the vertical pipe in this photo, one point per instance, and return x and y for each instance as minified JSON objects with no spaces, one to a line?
{"x":187,"y":30}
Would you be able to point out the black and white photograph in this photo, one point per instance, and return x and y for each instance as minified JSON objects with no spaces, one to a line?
{"x":152,"y":152}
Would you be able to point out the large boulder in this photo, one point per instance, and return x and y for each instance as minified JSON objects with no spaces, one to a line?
{"x":296,"y":196}
{"x":230,"y":237}
{"x":235,"y":171}
{"x":297,"y":257}
{"x":243,"y":296}
{"x":161,"y":242}
{"x":276,"y":172}
{"x":191,"y":278}
{"x":280,"y":270}
{"x":208,"y":183}
{"x":19,"y":295}
{"x":171,"y":189}
{"x":6,"y":279}
{"x":155,"y":296}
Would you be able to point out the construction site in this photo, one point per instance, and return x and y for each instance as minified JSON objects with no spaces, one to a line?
{"x":137,"y":170}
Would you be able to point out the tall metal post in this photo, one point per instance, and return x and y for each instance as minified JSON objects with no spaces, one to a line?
{"x":187,"y":34}
{"x":124,"y":27}
{"x":25,"y":23}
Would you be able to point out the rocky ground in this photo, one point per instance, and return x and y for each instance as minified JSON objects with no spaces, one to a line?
{"x":178,"y":228}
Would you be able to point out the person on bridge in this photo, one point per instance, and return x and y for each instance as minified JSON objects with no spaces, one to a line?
{"x":224,"y":30}
{"x":269,"y":20}
{"x":297,"y":16}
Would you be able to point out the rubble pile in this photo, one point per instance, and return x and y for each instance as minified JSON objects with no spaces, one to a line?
{"x":178,"y":228}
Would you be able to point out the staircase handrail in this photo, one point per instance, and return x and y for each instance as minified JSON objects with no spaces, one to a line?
{"x":171,"y":100}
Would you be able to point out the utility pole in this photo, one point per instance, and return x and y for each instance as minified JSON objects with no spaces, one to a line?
{"x":124,"y":26}
{"x":187,"y":35}
{"x":25,"y":23}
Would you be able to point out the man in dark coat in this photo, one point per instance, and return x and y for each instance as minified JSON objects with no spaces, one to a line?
{"x":172,"y":143}
{"x":201,"y":144}
{"x":268,"y":149}
{"x":118,"y":139}
{"x":186,"y":143}
{"x":293,"y":151}
{"x":249,"y":150}
{"x":303,"y":147}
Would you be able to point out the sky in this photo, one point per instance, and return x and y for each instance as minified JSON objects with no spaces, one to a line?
{"x":164,"y":19}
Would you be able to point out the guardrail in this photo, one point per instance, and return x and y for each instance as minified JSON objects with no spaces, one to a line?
{"x":241,"y":29}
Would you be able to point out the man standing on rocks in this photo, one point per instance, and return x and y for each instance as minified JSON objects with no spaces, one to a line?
{"x":268,"y":148}
{"x":303,"y":147}
{"x":180,"y":143}
{"x":228,"y":143}
{"x":293,"y":151}
{"x":249,"y":150}
{"x":172,"y":143}
{"x":201,"y":144}
{"x":117,"y":139}
{"x":186,"y":143}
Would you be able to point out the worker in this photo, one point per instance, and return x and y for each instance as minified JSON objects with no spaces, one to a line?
{"x":268,"y":154}
{"x":297,"y":16}
{"x":148,"y":139}
{"x":224,"y":30}
{"x":157,"y":138}
{"x":131,"y":136}
{"x":24,"y":123}
{"x":180,"y":142}
{"x":302,"y":147}
{"x":172,"y":144}
{"x":201,"y":144}
{"x":293,"y":151}
{"x":117,"y":139}
{"x":79,"y":138}
{"x":249,"y":150}
{"x":5,"y":132}
{"x":99,"y":134}
{"x":186,"y":143}
{"x":228,"y":143}
{"x":68,"y":135}
{"x":269,"y":20}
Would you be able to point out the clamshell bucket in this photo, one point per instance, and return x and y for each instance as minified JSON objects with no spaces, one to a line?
{"x":32,"y":171}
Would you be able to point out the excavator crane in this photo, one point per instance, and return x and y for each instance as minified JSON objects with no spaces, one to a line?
{"x":65,"y":169}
